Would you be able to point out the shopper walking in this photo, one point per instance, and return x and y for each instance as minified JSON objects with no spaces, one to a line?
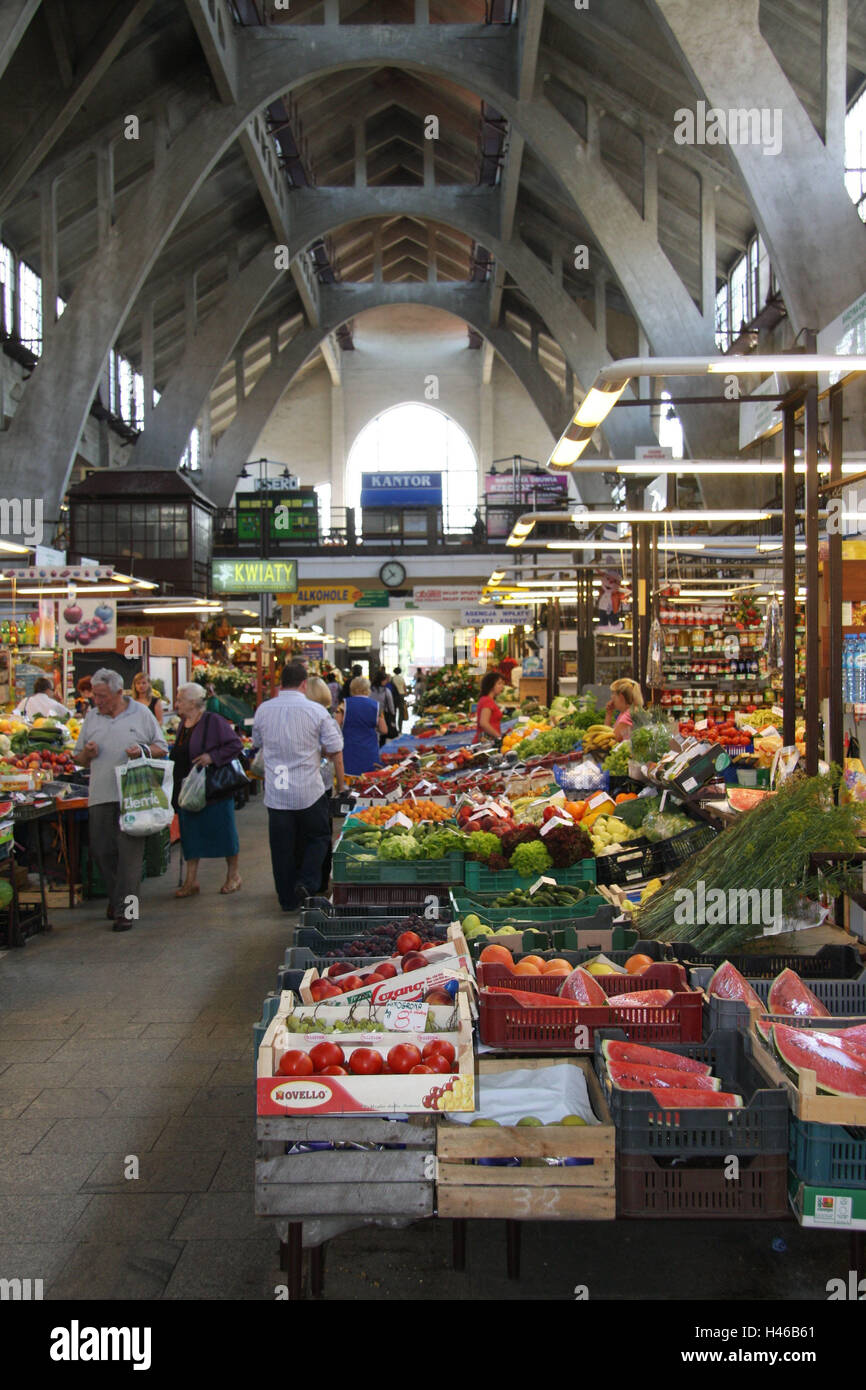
{"x":346,"y":688}
{"x":144,"y":693}
{"x":397,"y":687}
{"x":385,"y":700}
{"x":488,"y":715}
{"x":362,"y":724}
{"x":204,"y":739}
{"x":293,"y":733}
{"x":117,"y":728}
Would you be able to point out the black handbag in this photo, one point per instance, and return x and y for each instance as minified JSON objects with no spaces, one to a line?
{"x":225,"y":781}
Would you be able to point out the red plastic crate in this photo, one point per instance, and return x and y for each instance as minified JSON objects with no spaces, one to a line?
{"x":507,"y":1023}
{"x":662,"y":975}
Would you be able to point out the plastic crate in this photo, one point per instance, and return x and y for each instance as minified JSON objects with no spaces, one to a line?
{"x":574,"y":944}
{"x":828,"y":1155}
{"x":647,"y":1186}
{"x":644,"y":1127}
{"x":402,"y":898}
{"x":269,"y":1009}
{"x":830,"y":962}
{"x":844,"y":999}
{"x":465,"y":902}
{"x":662,"y":975}
{"x":507,"y":1023}
{"x":483,"y":880}
{"x":365,"y":918}
{"x":348,"y":870}
{"x":679,"y":848}
{"x":319,"y":942}
{"x":636,"y":861}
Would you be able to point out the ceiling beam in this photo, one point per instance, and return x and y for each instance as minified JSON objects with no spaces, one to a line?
{"x":530,"y":19}
{"x":15,"y":16}
{"x":216,"y":35}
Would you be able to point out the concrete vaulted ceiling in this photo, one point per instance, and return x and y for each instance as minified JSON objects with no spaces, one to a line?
{"x":255,"y":127}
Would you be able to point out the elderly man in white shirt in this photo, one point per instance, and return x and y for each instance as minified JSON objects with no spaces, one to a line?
{"x":40,"y":704}
{"x":293,"y":733}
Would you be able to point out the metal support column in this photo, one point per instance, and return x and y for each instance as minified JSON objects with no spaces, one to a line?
{"x":835,"y":743}
{"x":789,"y":578}
{"x":554,"y":656}
{"x":813,"y":693}
{"x":635,"y":590}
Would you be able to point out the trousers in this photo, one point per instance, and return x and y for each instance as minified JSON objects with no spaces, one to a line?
{"x":118,"y":856}
{"x":299,"y":842}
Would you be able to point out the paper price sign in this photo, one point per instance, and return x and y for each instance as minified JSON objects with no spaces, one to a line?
{"x":395,"y":795}
{"x":777,"y":712}
{"x":540,"y":882}
{"x":399,"y":819}
{"x":405,"y":1018}
{"x":553,"y":823}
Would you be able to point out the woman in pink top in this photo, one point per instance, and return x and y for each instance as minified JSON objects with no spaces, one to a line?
{"x":625,"y":696}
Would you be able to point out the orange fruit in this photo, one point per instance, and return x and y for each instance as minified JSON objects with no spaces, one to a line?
{"x":524,"y":967}
{"x":557,"y":966}
{"x":537,"y":961}
{"x":496,"y":955}
{"x":636,"y":964}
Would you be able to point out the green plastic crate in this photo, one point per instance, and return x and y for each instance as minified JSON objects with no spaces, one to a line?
{"x":447,"y":870}
{"x":479,"y":903}
{"x":562,"y":939}
{"x":480,"y":879}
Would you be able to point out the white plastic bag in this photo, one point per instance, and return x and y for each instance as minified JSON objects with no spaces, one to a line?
{"x":193,"y":790}
{"x":144,"y":789}
{"x":257,"y":766}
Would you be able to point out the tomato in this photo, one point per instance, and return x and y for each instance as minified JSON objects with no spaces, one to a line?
{"x":421,"y":1070}
{"x":408,"y":941}
{"x":365,"y":1061}
{"x":437,"y":1061}
{"x":403,"y":1057}
{"x":446,"y":1048}
{"x":326,"y":1054}
{"x":295,"y":1064}
{"x":333,"y":1071}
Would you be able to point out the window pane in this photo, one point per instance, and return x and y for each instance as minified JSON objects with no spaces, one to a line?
{"x":855,"y":154}
{"x":29,"y":308}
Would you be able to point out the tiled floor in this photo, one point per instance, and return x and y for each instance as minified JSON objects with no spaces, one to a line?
{"x":132,"y":1054}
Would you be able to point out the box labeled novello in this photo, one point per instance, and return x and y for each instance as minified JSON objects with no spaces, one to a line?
{"x":373,"y":1092}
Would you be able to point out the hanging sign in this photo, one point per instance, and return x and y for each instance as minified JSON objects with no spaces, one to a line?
{"x":447,"y":596}
{"x":401,"y":489}
{"x":503,"y":617}
{"x":322,"y":593}
{"x":89,"y":622}
{"x":255,"y":576}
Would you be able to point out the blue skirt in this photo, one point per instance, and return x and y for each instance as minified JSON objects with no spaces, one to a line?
{"x":211,"y":833}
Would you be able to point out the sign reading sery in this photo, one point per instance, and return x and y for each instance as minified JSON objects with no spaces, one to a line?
{"x":323,"y":593}
{"x":447,"y":595}
{"x":255,"y":576}
{"x":401,"y":489}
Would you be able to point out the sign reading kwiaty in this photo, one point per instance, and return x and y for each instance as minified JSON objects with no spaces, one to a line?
{"x":401,"y":489}
{"x":255,"y":576}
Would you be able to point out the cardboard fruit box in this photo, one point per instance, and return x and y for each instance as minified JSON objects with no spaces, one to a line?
{"x":446,"y":963}
{"x":379,"y":1094}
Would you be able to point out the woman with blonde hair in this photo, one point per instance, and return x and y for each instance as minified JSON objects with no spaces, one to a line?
{"x":144,"y":693}
{"x":362,"y":722}
{"x":625,"y":696}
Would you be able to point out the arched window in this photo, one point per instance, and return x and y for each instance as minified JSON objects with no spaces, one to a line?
{"x":360,"y":638}
{"x":412,"y":437}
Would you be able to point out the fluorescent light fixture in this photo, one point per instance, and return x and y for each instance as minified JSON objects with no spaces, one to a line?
{"x":789,"y":363}
{"x":705,"y":593}
{"x":588,"y":545}
{"x":11,"y":548}
{"x":567,"y":451}
{"x":597,"y":405}
{"x":681,"y":545}
{"x":186,"y":608}
{"x":136,"y":583}
{"x":496,"y":577}
{"x":83,"y":591}
{"x":591,"y":518}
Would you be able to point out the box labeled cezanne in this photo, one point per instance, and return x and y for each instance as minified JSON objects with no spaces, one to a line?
{"x":447,"y":961}
{"x":381,"y":1094}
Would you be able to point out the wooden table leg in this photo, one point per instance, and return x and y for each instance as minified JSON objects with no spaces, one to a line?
{"x":458,"y":1244}
{"x":317,"y":1270}
{"x":512,"y":1249}
{"x":295,"y":1260}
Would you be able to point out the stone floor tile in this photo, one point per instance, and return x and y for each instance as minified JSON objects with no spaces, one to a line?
{"x":15,"y":1100}
{"x":224,"y":1100}
{"x":73,"y":1100}
{"x":137,"y":1272}
{"x":212,"y":1132}
{"x":40,"y":1218}
{"x":44,"y":1173}
{"x":236,"y":1172}
{"x":34,"y":1260}
{"x":169,"y":1170}
{"x":227,"y":1270}
{"x":173,"y":1073}
{"x":23,"y":1135}
{"x":118,"y":1134}
{"x":153,"y":1100}
{"x":215,"y":1215}
{"x":118,"y":1217}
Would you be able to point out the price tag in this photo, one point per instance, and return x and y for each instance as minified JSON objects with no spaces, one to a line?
{"x":770,"y":732}
{"x":662,"y":802}
{"x":405,"y":1018}
{"x":413,"y":796}
{"x":425,"y":786}
{"x":777,"y":712}
{"x":395,"y":795}
{"x":553,"y":822}
{"x":540,"y":882}
{"x":375,"y":791}
{"x":701,"y":724}
{"x":399,"y":819}
{"x":747,"y":729}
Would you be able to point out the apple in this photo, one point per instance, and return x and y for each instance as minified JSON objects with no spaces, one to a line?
{"x":323,"y":989}
{"x":72,"y":613}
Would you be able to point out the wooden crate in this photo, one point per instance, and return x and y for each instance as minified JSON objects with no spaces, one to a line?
{"x":529,"y":1194}
{"x":54,"y":897}
{"x":350,"y":1182}
{"x":805,"y":1100}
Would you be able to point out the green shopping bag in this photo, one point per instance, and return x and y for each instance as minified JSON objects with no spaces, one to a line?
{"x":144,"y":789}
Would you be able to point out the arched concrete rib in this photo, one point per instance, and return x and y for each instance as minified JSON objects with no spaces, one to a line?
{"x":38,"y":450}
{"x":316,"y":213}
{"x":340,"y":303}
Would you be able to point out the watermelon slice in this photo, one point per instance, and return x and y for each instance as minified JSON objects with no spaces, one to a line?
{"x":630,"y":1076}
{"x":583,"y":988}
{"x":684,"y":1099}
{"x":745,"y":798}
{"x":839,"y":1069}
{"x":642,"y":999}
{"x":857,"y":1034}
{"x":728,"y":983}
{"x":788,"y":995}
{"x":623,"y":1052}
{"x":538,"y":1001}
{"x":764,"y":1027}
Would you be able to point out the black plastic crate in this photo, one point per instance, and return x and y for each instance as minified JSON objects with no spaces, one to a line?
{"x":648,"y":1186}
{"x":391,"y":897}
{"x":830,"y":963}
{"x":636,"y":861}
{"x":679,"y":848}
{"x":321,"y":941}
{"x":367,"y":918}
{"x":844,"y":999}
{"x":643,"y":1127}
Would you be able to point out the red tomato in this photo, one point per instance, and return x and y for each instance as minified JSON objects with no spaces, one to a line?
{"x":326,"y":1054}
{"x":295,"y":1064}
{"x":446,"y":1048}
{"x":403,"y":1057}
{"x":333,"y":1071}
{"x":418,"y":1071}
{"x":408,"y":941}
{"x":437,"y":1061}
{"x":365,"y":1061}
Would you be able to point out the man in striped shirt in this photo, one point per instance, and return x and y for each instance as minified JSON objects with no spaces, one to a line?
{"x":294,"y":733}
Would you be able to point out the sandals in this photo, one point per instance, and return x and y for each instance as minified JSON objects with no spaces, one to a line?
{"x":188,"y":890}
{"x":232,"y":886}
